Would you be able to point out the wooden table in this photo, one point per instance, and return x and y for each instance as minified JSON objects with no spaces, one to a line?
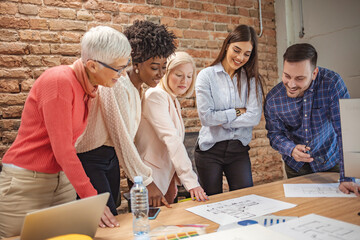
{"x":344,"y":209}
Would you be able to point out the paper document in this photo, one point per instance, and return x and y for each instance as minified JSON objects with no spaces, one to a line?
{"x":253,"y":232}
{"x":266,"y":221}
{"x":314,"y":190}
{"x":315,"y":227}
{"x":241,"y":208}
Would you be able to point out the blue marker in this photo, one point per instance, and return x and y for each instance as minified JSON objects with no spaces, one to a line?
{"x":265,"y":222}
{"x":277,"y":221}
{"x":271,"y":222}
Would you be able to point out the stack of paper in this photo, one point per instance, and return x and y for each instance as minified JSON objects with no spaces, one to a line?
{"x":315,"y":227}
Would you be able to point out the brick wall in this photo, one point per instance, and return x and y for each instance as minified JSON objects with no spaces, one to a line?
{"x":38,"y":34}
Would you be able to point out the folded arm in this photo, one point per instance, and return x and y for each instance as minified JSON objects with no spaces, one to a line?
{"x":206,"y":106}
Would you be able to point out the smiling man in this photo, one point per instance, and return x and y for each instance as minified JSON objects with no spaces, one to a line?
{"x":303,"y":119}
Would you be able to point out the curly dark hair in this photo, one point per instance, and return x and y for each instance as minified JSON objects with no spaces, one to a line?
{"x":149,"y":40}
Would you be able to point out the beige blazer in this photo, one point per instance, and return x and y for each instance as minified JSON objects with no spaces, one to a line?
{"x":159,"y":140}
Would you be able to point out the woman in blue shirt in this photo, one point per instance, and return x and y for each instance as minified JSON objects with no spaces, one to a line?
{"x":229,"y":100}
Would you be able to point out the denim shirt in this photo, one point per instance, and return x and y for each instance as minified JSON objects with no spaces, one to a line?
{"x":312,"y":120}
{"x":217,"y":97}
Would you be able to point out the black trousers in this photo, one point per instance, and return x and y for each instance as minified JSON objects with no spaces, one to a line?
{"x":102,"y":167}
{"x":230,"y":157}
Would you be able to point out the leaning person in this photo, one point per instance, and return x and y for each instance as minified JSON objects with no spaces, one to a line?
{"x":161,"y":131}
{"x":41,"y":168}
{"x":303,"y":117}
{"x":108,"y":141}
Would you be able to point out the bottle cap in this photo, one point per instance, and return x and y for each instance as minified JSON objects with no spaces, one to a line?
{"x":138,"y":179}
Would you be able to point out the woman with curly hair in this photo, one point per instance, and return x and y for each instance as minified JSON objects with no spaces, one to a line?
{"x":115,"y":116}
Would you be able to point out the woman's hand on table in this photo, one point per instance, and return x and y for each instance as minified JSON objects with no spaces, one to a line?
{"x":199,"y":194}
{"x":155,"y":196}
{"x":108,"y":219}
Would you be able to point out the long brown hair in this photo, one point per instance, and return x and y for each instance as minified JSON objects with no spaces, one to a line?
{"x":244,"y":33}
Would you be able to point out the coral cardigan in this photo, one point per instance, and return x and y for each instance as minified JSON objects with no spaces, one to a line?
{"x":54,"y":116}
{"x":159,"y":140}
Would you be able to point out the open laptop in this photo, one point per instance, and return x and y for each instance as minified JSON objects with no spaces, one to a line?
{"x":350,"y":129}
{"x":80,"y":217}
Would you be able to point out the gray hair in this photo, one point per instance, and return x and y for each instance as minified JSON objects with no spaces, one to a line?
{"x":104,"y":44}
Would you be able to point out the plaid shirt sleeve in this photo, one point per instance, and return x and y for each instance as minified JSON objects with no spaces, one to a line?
{"x":337,"y":92}
{"x":276,"y":130}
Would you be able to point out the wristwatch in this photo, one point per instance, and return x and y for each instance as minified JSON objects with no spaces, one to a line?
{"x":238,"y":112}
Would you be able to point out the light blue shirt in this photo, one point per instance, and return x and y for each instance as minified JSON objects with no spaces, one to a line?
{"x":217,"y":97}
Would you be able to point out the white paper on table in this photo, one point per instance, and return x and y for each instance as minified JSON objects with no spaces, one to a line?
{"x":266,"y":221}
{"x":252,"y":232}
{"x":316,"y":227}
{"x":241,"y":208}
{"x":314,"y":190}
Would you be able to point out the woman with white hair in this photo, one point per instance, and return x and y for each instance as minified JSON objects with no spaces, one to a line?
{"x":41,"y":168}
{"x":162,"y":126}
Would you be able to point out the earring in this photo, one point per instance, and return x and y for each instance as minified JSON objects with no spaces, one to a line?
{"x":137,"y":71}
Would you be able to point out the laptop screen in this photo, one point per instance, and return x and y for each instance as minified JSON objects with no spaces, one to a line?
{"x":350,"y":130}
{"x":80,"y":217}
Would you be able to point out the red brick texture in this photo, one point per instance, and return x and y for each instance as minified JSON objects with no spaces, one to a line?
{"x":37,"y":34}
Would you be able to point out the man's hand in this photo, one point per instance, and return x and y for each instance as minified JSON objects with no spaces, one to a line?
{"x":348,"y":187}
{"x":108,"y":219}
{"x":199,"y":194}
{"x":300,"y":155}
{"x":155,"y":196}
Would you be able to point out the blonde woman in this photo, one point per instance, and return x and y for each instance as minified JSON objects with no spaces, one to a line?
{"x":161,"y":132}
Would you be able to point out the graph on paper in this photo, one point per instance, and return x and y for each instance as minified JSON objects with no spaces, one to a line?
{"x":241,"y":208}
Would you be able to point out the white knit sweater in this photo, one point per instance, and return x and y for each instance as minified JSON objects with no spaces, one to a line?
{"x":113,"y":120}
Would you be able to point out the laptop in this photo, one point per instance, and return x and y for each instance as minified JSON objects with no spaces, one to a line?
{"x":350,"y":130}
{"x":76,"y":217}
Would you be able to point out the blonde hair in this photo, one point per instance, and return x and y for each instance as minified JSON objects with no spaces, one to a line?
{"x":176,"y":59}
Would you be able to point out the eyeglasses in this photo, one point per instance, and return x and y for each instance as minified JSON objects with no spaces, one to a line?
{"x":119,"y":71}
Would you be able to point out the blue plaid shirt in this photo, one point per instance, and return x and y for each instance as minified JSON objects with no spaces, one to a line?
{"x":313,"y":119}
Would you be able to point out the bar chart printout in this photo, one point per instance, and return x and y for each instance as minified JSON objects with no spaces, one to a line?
{"x":237,"y":209}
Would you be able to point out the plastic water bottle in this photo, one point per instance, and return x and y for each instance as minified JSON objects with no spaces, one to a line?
{"x":140,"y":209}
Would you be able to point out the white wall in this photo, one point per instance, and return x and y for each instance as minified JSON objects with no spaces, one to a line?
{"x":331,"y":26}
